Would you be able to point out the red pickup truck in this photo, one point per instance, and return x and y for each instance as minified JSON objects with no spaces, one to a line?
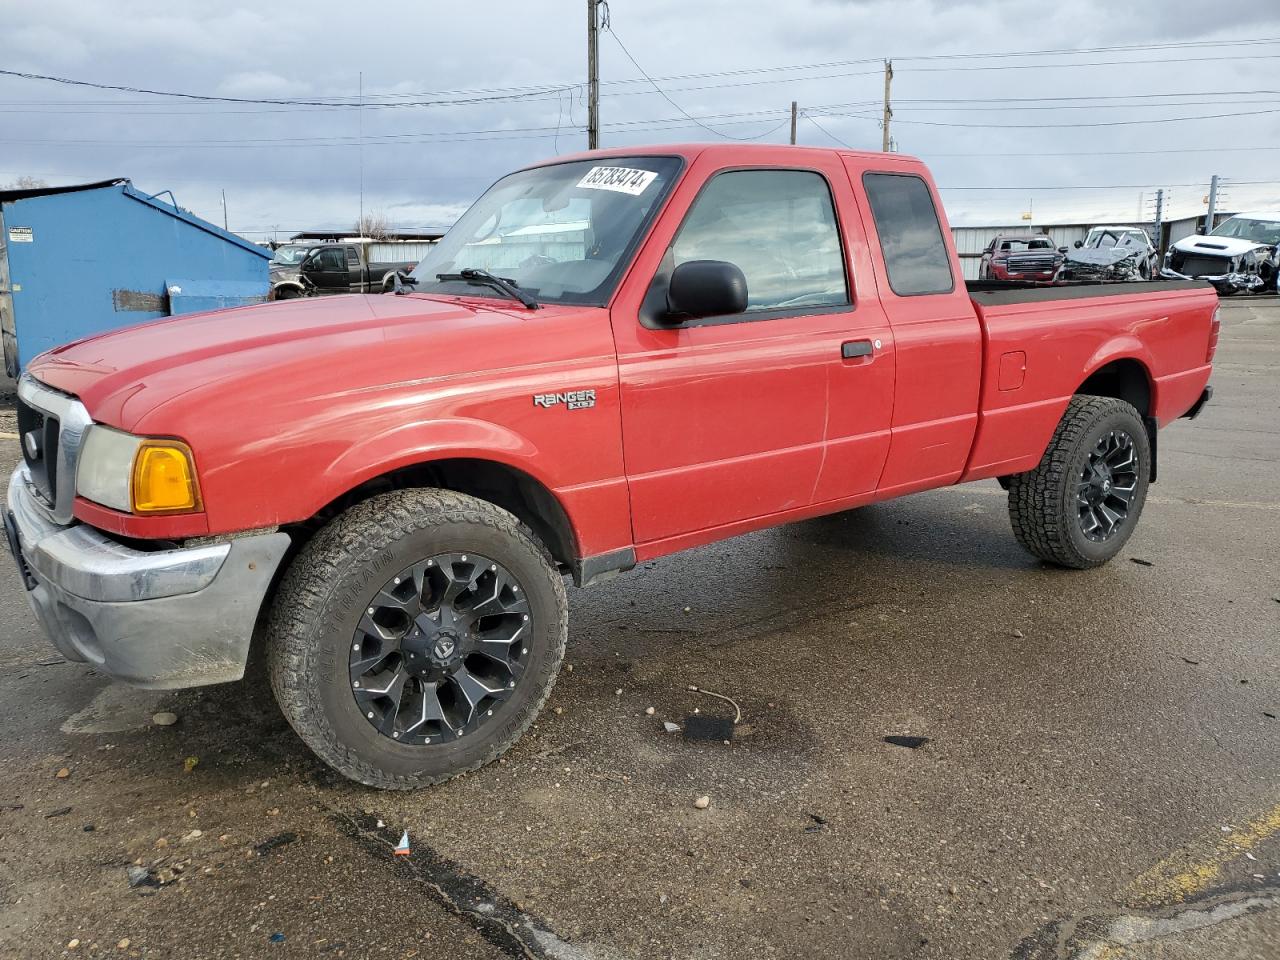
{"x":611,"y":357}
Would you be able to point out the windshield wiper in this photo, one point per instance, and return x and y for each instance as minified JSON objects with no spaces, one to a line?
{"x":483,"y":278}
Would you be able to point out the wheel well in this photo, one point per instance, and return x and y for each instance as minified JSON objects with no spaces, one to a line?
{"x":499,"y":484}
{"x":1125,"y":380}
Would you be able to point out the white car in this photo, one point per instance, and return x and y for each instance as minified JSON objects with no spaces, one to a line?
{"x":1240,"y":255}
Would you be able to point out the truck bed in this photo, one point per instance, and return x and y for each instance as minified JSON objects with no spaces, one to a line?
{"x":1001,"y":292}
{"x":1040,"y":346}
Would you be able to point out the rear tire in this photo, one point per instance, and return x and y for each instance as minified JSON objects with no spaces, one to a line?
{"x":1079,"y":507}
{"x":320,"y":637}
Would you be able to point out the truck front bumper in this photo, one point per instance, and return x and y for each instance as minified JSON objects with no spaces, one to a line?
{"x":160,"y":619}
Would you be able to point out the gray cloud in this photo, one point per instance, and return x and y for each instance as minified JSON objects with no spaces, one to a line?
{"x":291,"y":168}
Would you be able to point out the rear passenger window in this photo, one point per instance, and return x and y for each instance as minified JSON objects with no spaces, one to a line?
{"x":779,"y":228}
{"x":915,"y":255}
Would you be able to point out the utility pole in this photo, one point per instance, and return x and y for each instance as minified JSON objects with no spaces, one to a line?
{"x":224,"y":211}
{"x":888,"y":110}
{"x":593,"y":75}
{"x":360,"y":152}
{"x":1213,"y":204}
{"x":1160,"y":220}
{"x":793,"y":123}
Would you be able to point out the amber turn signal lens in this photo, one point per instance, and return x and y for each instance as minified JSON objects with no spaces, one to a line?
{"x":164,"y":478}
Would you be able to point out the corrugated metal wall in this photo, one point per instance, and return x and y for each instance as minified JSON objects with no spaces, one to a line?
{"x":398,"y":251}
{"x":971,"y":241}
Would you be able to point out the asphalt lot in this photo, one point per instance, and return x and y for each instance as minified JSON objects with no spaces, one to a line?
{"x":1101,"y":775}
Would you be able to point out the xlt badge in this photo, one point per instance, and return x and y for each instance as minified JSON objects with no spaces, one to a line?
{"x":573,"y":399}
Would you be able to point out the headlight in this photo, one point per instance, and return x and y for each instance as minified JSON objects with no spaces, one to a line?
{"x":136,"y":474}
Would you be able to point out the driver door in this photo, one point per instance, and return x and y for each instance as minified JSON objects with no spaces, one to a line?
{"x":727,"y":419}
{"x":327,"y":269}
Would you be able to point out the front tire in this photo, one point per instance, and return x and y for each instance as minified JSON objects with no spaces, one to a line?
{"x":1079,"y":507}
{"x":416,"y":637}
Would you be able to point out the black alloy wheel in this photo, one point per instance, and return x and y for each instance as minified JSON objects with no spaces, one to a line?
{"x":1107,"y":485}
{"x":439,"y":648}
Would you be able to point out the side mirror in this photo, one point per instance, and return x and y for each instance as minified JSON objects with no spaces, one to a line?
{"x":1062,"y":249}
{"x":705,"y":288}
{"x":1079,"y":244}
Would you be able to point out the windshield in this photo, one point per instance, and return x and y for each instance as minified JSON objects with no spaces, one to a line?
{"x":561,"y":232}
{"x":1019,"y":244}
{"x":1246,"y":228}
{"x":289,"y":255}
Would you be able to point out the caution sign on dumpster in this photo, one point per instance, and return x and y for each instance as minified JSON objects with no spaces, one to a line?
{"x":21,"y":235}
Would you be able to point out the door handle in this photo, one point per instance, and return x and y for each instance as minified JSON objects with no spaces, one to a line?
{"x":852,"y":349}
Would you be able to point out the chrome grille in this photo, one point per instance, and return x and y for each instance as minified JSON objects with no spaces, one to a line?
{"x":1030,"y":264}
{"x":51,"y":428}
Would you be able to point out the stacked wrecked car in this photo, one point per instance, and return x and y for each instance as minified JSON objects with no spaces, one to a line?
{"x":1239,"y":256}
{"x":1110,"y":253}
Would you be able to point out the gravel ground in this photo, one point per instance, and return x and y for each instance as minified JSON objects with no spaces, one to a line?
{"x":1095,"y":773}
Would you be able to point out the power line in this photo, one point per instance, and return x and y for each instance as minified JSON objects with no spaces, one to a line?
{"x":1065,"y":126}
{"x":831,"y":135}
{"x":607,"y":25}
{"x":549,"y":91}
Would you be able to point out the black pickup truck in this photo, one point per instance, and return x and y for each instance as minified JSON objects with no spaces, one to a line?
{"x":344,"y":268}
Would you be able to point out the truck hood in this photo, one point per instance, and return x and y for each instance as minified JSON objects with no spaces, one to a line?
{"x":1217,"y":246}
{"x":1102,"y":256}
{"x":328,"y":343}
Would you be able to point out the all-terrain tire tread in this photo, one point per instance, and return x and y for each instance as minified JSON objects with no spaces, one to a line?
{"x":1037,"y":506}
{"x":356,"y":536}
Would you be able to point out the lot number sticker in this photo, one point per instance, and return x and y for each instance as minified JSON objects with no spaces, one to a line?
{"x":619,"y":179}
{"x":21,"y":235}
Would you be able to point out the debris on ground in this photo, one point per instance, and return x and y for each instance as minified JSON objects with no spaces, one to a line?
{"x":193,"y":835}
{"x":911,"y":743}
{"x":189,"y":764}
{"x":1018,"y":634}
{"x":123,"y":944}
{"x":737,"y":710}
{"x":139,"y":876}
{"x":649,"y":711}
{"x":57,"y":812}
{"x":818,"y":825}
{"x":277,"y":938}
{"x":164,"y":719}
{"x":670,"y":727}
{"x":708,"y":729}
{"x":73,"y":943}
{"x":402,"y":848}
{"x":50,"y":661}
{"x":1142,"y":563}
{"x":1194,"y":663}
{"x":63,"y":773}
{"x":274,"y":843}
{"x":702,"y":803}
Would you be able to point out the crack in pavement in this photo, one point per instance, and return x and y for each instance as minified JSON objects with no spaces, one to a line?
{"x":499,"y":921}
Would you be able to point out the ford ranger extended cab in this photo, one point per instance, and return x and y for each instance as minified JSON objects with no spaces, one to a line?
{"x":610,"y":357}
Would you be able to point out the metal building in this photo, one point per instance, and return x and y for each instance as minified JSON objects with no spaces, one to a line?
{"x":78,"y":260}
{"x":971,"y":241}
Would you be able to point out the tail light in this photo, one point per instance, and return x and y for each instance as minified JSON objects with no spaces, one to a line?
{"x":1214,"y":326}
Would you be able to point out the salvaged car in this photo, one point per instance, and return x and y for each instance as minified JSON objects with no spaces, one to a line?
{"x":1110,"y":253}
{"x":1239,"y":256}
{"x":286,"y":272}
{"x":1021,"y":256}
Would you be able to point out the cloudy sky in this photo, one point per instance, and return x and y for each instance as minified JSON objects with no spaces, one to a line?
{"x":1049,"y":131}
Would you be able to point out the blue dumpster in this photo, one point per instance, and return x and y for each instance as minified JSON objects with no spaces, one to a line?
{"x":78,"y":260}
